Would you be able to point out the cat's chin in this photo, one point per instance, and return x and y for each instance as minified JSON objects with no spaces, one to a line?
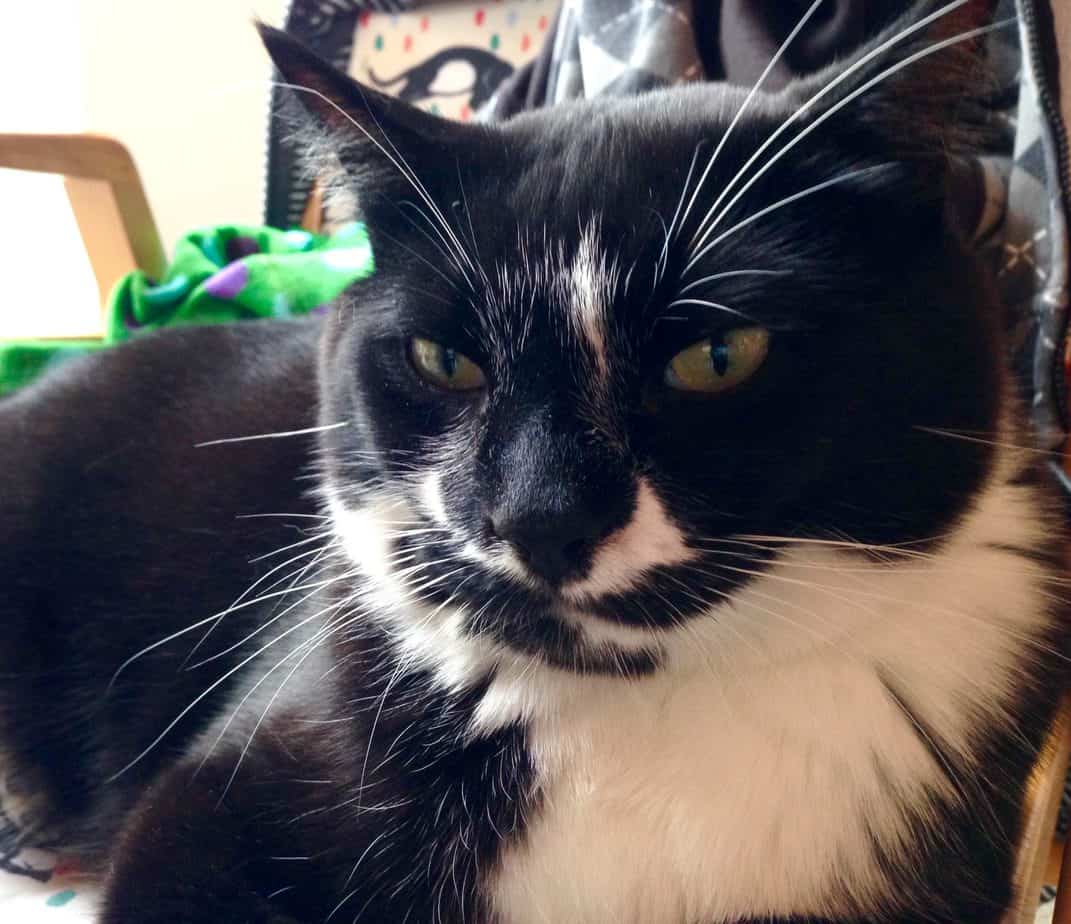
{"x":581,"y":642}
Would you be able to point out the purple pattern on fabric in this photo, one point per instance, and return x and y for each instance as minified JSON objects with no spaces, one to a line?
{"x":241,"y":246}
{"x":320,"y":310}
{"x":228,"y":282}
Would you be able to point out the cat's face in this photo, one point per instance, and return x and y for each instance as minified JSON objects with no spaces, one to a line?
{"x":589,"y":382}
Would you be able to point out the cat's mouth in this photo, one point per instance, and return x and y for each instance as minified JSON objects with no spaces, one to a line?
{"x":640,"y":582}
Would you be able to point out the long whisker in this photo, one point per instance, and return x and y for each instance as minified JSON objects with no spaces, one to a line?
{"x":270,"y":622}
{"x":372,"y":731}
{"x":472,"y":229}
{"x":300,"y":516}
{"x":898,"y":547}
{"x":317,"y":553}
{"x":286,"y":548}
{"x":282,"y":434}
{"x":449,"y":257}
{"x":708,"y":304}
{"x":731,"y":273}
{"x":835,"y":82}
{"x":144,"y":651}
{"x":215,"y":617}
{"x":780,"y":203}
{"x":312,"y":646}
{"x":928,"y":567}
{"x":353,"y":872}
{"x":212,"y":687}
{"x":960,"y":435}
{"x":887,"y":598}
{"x":418,"y":184}
{"x":663,"y":257}
{"x":397,"y":243}
{"x":303,"y":644}
{"x":833,"y":110}
{"x":808,"y":13}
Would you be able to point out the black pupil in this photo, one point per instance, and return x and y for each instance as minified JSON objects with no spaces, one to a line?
{"x":719,"y":357}
{"x":448,"y":358}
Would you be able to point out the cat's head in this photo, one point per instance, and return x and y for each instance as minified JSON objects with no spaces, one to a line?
{"x":614,"y":351}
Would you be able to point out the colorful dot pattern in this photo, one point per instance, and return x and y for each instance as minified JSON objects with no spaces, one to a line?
{"x":39,"y":887}
{"x":61,"y":898}
{"x":390,"y":44}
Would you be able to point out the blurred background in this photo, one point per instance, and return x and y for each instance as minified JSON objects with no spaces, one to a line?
{"x":185,"y":88}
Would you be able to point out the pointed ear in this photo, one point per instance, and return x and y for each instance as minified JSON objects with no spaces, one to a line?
{"x":920,"y":88}
{"x":377,"y":140}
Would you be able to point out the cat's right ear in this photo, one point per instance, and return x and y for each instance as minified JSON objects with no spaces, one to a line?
{"x":921,"y":88}
{"x":376,"y":138}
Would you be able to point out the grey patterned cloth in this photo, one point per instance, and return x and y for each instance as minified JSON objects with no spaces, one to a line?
{"x":1035,"y":266}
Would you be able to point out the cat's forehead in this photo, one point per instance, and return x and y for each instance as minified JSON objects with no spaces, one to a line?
{"x":569,"y":283}
{"x":588,"y":198}
{"x":612,"y":154}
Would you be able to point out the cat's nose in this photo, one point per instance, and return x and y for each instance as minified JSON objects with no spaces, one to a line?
{"x":556,"y":546}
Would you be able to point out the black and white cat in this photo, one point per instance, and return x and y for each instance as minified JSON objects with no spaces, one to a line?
{"x":677,"y":554}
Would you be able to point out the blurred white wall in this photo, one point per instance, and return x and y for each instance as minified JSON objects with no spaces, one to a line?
{"x":49,"y":287}
{"x":183,"y":85}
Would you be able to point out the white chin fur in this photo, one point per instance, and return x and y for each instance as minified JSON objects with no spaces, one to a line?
{"x":749,"y":776}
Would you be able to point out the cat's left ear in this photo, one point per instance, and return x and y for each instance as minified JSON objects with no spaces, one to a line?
{"x":376,"y":138}
{"x":919,"y":89}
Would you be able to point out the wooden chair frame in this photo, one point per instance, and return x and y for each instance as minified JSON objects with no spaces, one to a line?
{"x":1041,"y":858}
{"x":106,"y":196}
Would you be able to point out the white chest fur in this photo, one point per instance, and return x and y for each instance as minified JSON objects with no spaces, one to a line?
{"x":752,"y":775}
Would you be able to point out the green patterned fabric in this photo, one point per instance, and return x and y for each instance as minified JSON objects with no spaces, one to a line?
{"x":222,"y":274}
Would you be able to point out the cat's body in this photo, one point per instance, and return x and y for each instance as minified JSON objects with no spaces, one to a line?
{"x":588,"y":631}
{"x":122,"y":531}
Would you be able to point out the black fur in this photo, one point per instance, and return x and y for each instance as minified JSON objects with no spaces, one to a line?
{"x":342,"y":781}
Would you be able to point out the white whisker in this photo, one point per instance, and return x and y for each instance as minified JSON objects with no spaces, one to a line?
{"x":731,"y":273}
{"x":282,"y":434}
{"x":833,"y":110}
{"x":707,"y":304}
{"x":808,"y":13}
{"x":200,"y":698}
{"x":835,"y":82}
{"x":787,"y":200}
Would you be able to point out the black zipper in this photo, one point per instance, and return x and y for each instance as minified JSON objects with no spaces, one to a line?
{"x":1050,"y":109}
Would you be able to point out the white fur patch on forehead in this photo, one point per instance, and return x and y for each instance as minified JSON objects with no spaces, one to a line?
{"x":648,"y":540}
{"x":589,"y":290}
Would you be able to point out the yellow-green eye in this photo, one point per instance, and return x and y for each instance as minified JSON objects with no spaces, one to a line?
{"x":715,"y":365}
{"x":444,"y":367}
